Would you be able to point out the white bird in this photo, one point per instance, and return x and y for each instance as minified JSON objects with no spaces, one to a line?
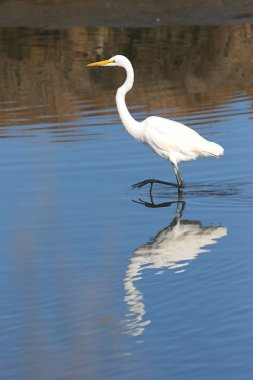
{"x":173,"y":141}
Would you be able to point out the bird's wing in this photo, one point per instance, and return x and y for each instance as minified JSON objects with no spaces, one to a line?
{"x":169,"y":135}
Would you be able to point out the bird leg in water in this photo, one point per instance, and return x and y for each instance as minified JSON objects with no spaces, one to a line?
{"x":179,"y":177}
{"x":180,"y":182}
{"x":152,"y":181}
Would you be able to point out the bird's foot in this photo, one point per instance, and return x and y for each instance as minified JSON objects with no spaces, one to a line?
{"x":151,"y":181}
{"x":142,"y":183}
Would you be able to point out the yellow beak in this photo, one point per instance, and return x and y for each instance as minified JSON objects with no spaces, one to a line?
{"x":100,"y":63}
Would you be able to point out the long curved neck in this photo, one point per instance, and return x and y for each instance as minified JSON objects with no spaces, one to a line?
{"x":132,"y":126}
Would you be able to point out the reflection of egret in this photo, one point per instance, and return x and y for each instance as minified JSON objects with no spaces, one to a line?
{"x":171,"y":140}
{"x":174,"y":247}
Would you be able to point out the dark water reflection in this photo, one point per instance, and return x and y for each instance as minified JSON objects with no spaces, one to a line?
{"x":196,"y":68}
{"x":73,"y":282}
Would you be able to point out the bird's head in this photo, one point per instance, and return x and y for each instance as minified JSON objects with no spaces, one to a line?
{"x":116,"y":60}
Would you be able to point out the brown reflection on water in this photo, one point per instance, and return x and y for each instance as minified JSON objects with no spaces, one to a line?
{"x":42,"y":72}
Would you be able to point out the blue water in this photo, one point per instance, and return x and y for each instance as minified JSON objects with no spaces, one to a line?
{"x":97,"y":280}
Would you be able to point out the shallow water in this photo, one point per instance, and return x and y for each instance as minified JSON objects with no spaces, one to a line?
{"x":99,"y":280}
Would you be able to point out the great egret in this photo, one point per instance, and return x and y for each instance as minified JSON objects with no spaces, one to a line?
{"x":173,"y":141}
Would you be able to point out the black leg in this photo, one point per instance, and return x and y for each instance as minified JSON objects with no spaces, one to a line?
{"x":152,"y":181}
{"x":180,"y":182}
{"x":179,"y":177}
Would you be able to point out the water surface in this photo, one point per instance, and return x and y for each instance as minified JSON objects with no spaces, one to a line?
{"x":99,"y":280}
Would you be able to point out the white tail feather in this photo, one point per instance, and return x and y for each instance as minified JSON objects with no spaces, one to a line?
{"x":213,"y":149}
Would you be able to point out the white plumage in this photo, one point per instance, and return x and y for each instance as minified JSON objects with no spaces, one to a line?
{"x":176,"y":142}
{"x":171,"y":140}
